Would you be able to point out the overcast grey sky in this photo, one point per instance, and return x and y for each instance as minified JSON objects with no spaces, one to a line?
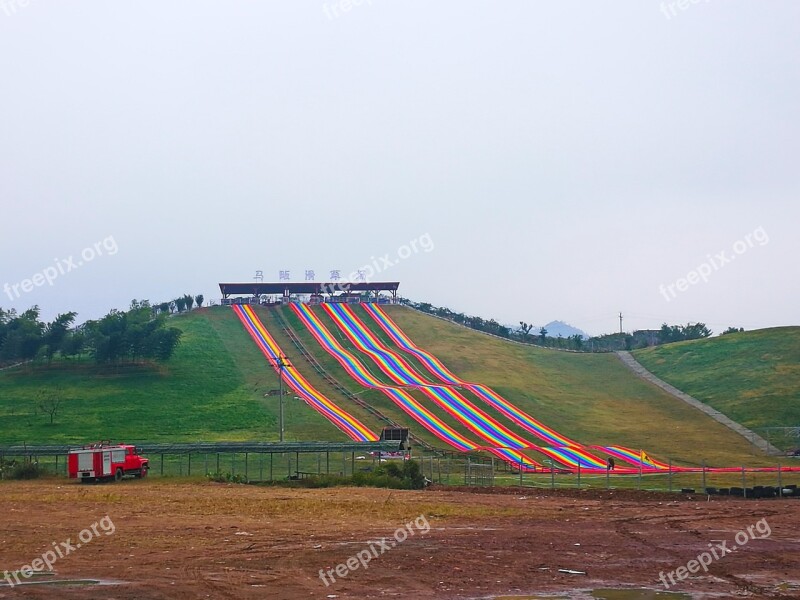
{"x":565,"y":159}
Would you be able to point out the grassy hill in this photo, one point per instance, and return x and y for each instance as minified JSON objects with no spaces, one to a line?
{"x":214,"y":388}
{"x":592,"y":398}
{"x":752,"y":377}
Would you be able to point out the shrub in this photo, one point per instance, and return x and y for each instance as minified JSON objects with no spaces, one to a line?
{"x":220,"y":477}
{"x":20,"y":470}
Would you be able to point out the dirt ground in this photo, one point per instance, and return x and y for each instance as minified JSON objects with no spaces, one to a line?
{"x":205,"y":540}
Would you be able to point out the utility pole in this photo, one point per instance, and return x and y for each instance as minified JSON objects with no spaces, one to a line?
{"x":281,"y":363}
{"x":620,"y":323}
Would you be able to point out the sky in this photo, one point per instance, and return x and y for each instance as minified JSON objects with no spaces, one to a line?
{"x":519,"y":160}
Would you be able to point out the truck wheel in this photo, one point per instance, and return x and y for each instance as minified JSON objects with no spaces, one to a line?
{"x":118,"y":475}
{"x":142,"y":473}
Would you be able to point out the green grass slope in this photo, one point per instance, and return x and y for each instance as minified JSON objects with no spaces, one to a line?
{"x":752,"y":377}
{"x":212,"y":389}
{"x":592,"y":398}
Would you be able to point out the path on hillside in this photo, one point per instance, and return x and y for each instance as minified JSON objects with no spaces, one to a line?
{"x":751,"y":436}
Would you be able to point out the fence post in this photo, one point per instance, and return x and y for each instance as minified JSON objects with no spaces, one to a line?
{"x":670,"y":475}
{"x":579,"y":473}
{"x":271,"y":460}
{"x":162,"y":463}
{"x":744,"y":483}
{"x":189,"y":468}
{"x":780,"y":485}
{"x":261,"y":466}
{"x":704,"y":477}
{"x":245,"y":465}
{"x":552,"y":476}
{"x":520,"y":469}
{"x":608,"y":472}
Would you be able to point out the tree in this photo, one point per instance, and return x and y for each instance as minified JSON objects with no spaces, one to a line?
{"x":542,"y":335}
{"x":180,"y":303}
{"x":49,"y":403}
{"x":24,"y":335}
{"x":199,"y":300}
{"x":189,"y":300}
{"x":679,"y":333}
{"x":577,"y":341}
{"x":56,"y":332}
{"x":733,"y":330}
{"x":525,"y":330}
{"x":162,"y":343}
{"x":73,"y":344}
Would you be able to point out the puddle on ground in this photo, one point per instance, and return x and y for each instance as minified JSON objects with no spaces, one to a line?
{"x":58,"y":582}
{"x":604,"y":594}
{"x":640,"y":594}
{"x":52,"y":582}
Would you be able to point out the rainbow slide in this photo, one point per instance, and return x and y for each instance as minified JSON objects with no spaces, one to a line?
{"x":452,"y":401}
{"x":402,"y":398}
{"x":269,"y":347}
{"x":488,"y":429}
{"x":568,"y":449}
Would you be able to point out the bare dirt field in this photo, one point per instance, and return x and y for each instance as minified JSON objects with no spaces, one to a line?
{"x":203,"y":540}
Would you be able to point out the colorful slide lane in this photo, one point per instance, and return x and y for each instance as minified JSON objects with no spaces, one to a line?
{"x":438,"y":369}
{"x":346,"y":319}
{"x":572,"y":456}
{"x":402,"y":398}
{"x":269,"y":347}
{"x":398,"y":370}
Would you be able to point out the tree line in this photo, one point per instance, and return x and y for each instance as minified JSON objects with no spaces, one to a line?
{"x":138,"y":334}
{"x":526,"y":333}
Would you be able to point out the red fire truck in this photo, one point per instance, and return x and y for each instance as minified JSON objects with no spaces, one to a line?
{"x":105,"y":461}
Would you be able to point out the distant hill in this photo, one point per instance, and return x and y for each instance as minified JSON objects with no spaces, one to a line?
{"x":556,"y":328}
